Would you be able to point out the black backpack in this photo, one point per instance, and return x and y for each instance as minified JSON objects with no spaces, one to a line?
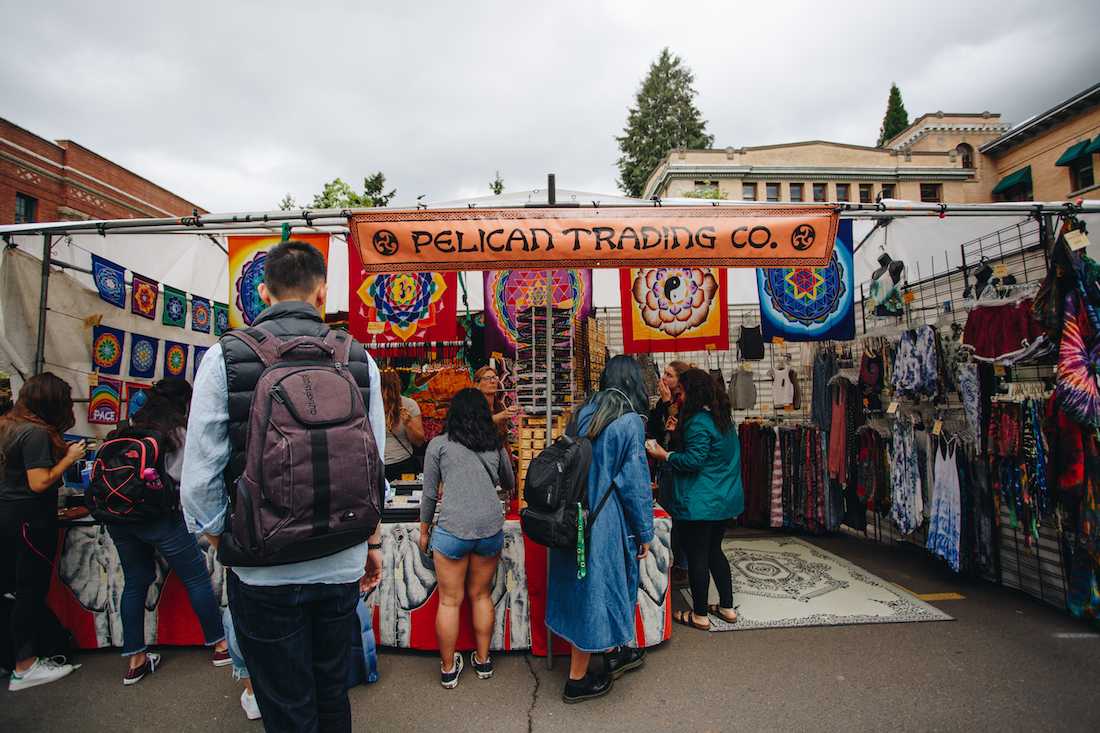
{"x":129,"y":483}
{"x":556,"y":490}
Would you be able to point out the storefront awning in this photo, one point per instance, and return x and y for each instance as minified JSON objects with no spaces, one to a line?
{"x":1012,"y":180}
{"x":1094,"y":146}
{"x":1073,"y":152}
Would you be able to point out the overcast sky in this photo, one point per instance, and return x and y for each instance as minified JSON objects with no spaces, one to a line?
{"x":233,"y":104}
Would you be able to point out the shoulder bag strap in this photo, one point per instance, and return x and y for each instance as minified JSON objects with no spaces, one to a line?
{"x":494,"y":481}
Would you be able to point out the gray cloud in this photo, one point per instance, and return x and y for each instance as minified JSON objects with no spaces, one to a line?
{"x":234,"y":104}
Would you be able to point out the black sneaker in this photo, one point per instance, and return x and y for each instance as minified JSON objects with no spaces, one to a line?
{"x":133,"y":676}
{"x":587,"y":688}
{"x":622,"y":660}
{"x":484,"y":669}
{"x":449,"y":680}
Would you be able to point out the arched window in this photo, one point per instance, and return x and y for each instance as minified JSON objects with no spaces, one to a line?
{"x":964,"y":151}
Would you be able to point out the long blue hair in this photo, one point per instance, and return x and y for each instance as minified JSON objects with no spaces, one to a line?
{"x":621,"y":391}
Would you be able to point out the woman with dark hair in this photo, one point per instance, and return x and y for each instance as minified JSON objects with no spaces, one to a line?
{"x":661,"y":426}
{"x":706,"y":466}
{"x":404,"y":428}
{"x":164,"y":412}
{"x":33,"y":458}
{"x":593,"y":607}
{"x":468,"y":459}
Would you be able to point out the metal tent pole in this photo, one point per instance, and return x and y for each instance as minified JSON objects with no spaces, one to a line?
{"x":551,"y":197}
{"x":40,"y":348}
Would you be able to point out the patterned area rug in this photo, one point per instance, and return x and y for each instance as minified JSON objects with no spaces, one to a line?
{"x":783,"y":582}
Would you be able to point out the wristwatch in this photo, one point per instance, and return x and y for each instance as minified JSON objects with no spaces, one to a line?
{"x":374,"y":545}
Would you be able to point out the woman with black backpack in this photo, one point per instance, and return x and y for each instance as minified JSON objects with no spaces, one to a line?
{"x":592,"y":605}
{"x":164,"y":414}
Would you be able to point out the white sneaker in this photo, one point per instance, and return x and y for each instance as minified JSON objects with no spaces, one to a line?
{"x":251,"y":708}
{"x":42,"y":672}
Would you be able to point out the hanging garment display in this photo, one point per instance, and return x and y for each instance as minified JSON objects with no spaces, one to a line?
{"x":906,"y":499}
{"x":996,"y":329}
{"x":801,"y":488}
{"x":917,"y":364}
{"x":750,"y":344}
{"x":885,"y":287}
{"x":674,"y":309}
{"x":872,"y":474}
{"x":405,"y":307}
{"x":825,"y":367}
{"x":811,"y":303}
{"x":782,"y":387}
{"x":871,"y":380}
{"x":247,"y":256}
{"x":945,"y":524}
{"x":507,"y":291}
{"x":966,"y":377}
{"x":1078,"y":388}
{"x":742,"y":389}
{"x":757,"y":460}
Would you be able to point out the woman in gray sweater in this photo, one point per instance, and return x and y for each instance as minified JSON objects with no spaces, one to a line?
{"x":468,"y":459}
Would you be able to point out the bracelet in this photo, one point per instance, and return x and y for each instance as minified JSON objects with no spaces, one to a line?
{"x":374,"y":546}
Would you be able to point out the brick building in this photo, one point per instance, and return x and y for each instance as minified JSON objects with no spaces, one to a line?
{"x":43,"y":180}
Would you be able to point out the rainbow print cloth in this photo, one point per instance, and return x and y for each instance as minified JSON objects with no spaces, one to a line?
{"x":105,"y":402}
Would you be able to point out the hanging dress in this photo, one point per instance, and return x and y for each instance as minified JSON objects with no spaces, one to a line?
{"x":907,"y":506}
{"x":945,"y":524}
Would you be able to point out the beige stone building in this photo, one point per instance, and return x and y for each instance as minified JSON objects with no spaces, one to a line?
{"x":940,"y":157}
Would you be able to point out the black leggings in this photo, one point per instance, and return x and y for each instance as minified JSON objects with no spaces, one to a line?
{"x":31,"y":566}
{"x":702,"y":542}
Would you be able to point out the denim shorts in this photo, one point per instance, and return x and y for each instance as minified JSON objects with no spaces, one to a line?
{"x":455,"y":548}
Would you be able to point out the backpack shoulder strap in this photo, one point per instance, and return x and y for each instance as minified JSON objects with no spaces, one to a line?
{"x":265,"y":345}
{"x":340,"y":342}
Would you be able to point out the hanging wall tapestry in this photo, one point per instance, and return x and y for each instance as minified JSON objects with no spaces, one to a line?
{"x":175,"y":360}
{"x":105,"y":401}
{"x":110,"y":281}
{"x":507,"y":291}
{"x":135,"y":397}
{"x":107,"y":345}
{"x":247,"y":255}
{"x":143,"y":296}
{"x":175,"y":307}
{"x":673,"y":309}
{"x":200,"y":314}
{"x":200,"y":352}
{"x":143,"y":356}
{"x":811,"y":303}
{"x":404,"y":307}
{"x":221,"y":318}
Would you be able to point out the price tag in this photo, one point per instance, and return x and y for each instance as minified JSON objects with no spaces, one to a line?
{"x":1077,"y":240}
{"x":999,"y":370}
{"x":1000,"y":271}
{"x":408,"y":477}
{"x":893,"y":408}
{"x":777,"y":340}
{"x":909,"y":297}
{"x":937,"y":427}
{"x":711,"y":347}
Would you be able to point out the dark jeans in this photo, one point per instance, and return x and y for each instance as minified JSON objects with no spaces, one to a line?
{"x":135,"y":544}
{"x":702,"y":542}
{"x":296,"y":641}
{"x":33,"y":549}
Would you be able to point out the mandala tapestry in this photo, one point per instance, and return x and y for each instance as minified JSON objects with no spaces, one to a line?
{"x":110,"y":281}
{"x":507,"y":291}
{"x":406,"y":307}
{"x":175,"y":360}
{"x":673,"y":309}
{"x":143,"y":296}
{"x":143,"y":356}
{"x":175,"y":307}
{"x":247,"y":255}
{"x":200,"y":314}
{"x":107,"y":349}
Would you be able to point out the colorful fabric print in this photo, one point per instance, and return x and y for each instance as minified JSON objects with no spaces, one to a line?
{"x":175,"y":307}
{"x":175,"y":360}
{"x":811,"y":303}
{"x":105,"y":402}
{"x":907,"y":505}
{"x":509,"y":291}
{"x":200,"y":352}
{"x":143,"y":356}
{"x":110,"y":281}
{"x":945,"y":524}
{"x":143,"y":296}
{"x":971,"y":395}
{"x":403,"y":307}
{"x":916,"y":367}
{"x":674,"y":309}
{"x":1078,"y":386}
{"x":221,"y":318}
{"x":200,"y":314}
{"x":247,"y":257}
{"x":135,"y":397}
{"x":107,"y":346}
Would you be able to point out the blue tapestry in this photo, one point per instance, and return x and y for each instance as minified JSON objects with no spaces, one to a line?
{"x":143,"y":356}
{"x":811,"y":303}
{"x":200,"y":352}
{"x":110,"y":281}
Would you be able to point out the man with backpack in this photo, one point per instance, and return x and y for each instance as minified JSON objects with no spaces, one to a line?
{"x":283,"y":473}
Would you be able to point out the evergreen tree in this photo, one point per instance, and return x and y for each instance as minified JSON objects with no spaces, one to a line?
{"x":288,"y":203}
{"x":497,"y":185}
{"x":338,"y":194}
{"x":664,"y":117}
{"x":896,"y":118}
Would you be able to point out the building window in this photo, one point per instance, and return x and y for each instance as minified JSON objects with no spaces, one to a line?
{"x":966,"y":154}
{"x":931,"y":193}
{"x":772,"y":191}
{"x":866,"y":193}
{"x":842,"y":191}
{"x":796,"y":192}
{"x":1080,"y":173}
{"x":748,"y":192}
{"x":887,"y":191}
{"x":26,"y":209}
{"x":820,"y":191}
{"x":706,"y":186}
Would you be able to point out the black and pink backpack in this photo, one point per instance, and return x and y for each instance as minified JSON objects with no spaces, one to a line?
{"x":129,"y":483}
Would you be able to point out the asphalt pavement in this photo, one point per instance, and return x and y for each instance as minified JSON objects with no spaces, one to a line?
{"x":1007,"y":663}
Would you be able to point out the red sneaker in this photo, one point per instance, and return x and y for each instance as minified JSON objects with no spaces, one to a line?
{"x":222,"y":658}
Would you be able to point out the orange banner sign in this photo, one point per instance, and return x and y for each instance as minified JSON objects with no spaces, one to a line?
{"x":506,"y":239}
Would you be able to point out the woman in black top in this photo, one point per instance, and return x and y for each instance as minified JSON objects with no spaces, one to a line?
{"x":34,"y":457}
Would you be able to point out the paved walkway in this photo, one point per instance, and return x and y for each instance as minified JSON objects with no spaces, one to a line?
{"x":1008,"y":663}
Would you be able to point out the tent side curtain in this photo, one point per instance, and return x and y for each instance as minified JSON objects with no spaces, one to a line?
{"x":1012,"y":180}
{"x":1073,"y":152}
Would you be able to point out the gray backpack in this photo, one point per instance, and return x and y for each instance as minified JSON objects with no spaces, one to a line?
{"x":311,"y":485}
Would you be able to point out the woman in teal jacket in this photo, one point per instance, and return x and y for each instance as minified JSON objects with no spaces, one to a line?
{"x":706,"y":465}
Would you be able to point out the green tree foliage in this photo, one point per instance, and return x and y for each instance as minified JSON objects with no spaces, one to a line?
{"x":497,"y":185}
{"x":338,"y":194}
{"x":288,"y":203}
{"x":664,"y":117}
{"x":896,"y":118}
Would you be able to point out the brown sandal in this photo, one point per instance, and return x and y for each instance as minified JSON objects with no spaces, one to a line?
{"x":686,"y":618}
{"x":720,"y":612}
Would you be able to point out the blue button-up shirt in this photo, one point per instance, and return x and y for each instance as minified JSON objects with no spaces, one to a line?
{"x":203,"y":491}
